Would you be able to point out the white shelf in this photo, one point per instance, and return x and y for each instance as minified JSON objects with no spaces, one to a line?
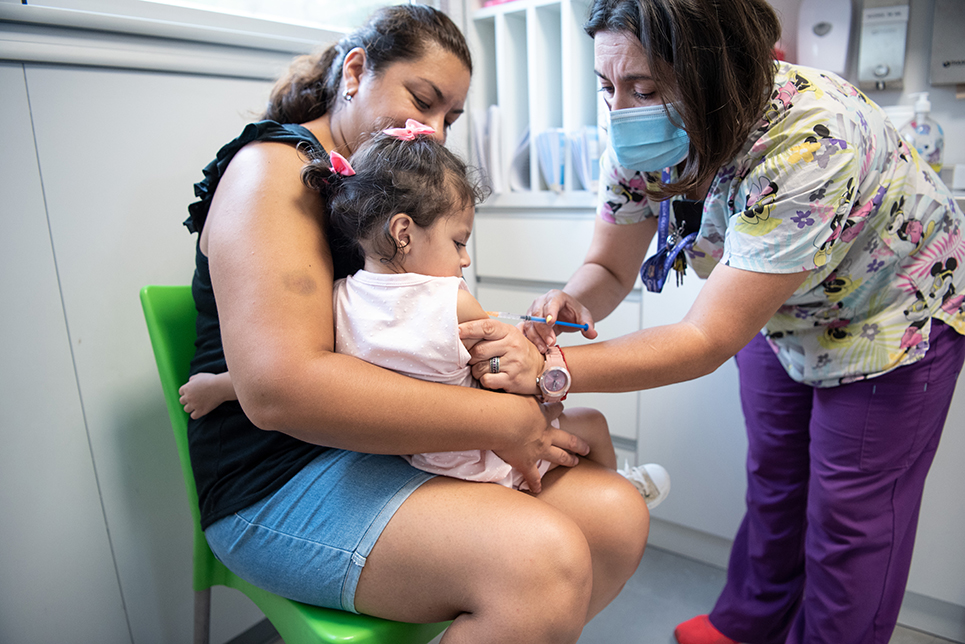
{"x":535,"y":62}
{"x":541,"y":199}
{"x":514,"y":6}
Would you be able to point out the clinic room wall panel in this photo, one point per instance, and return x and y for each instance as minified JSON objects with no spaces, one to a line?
{"x":57,"y":573}
{"x":695,"y":429}
{"x":938,"y":567}
{"x":119,"y":152}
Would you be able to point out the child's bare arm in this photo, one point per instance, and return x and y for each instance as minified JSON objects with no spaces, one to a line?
{"x":468,"y":309}
{"x":205,"y":391}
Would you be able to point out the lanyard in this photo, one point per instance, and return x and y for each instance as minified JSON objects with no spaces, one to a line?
{"x":656,"y":268}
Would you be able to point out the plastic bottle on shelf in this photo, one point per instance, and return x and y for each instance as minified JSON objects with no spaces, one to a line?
{"x":925,"y":134}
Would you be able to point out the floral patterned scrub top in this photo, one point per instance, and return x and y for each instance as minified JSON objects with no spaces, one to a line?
{"x":825,"y":184}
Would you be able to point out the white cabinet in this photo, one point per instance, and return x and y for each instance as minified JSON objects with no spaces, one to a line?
{"x":696,"y":430}
{"x":114,"y":206}
{"x":102,"y":135}
{"x":530,"y":244}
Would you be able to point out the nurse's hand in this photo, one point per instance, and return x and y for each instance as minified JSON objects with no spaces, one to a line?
{"x":519,"y":361}
{"x":556,"y":305}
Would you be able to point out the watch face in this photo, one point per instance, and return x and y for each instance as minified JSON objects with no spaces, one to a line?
{"x":554,"y":381}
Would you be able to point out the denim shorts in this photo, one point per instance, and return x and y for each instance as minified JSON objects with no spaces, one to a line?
{"x":309,"y":540}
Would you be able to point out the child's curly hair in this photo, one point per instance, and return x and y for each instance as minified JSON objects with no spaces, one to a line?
{"x":420,"y":178}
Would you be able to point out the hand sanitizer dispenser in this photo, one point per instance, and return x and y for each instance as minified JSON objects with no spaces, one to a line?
{"x":884,"y":29}
{"x":824,"y":27}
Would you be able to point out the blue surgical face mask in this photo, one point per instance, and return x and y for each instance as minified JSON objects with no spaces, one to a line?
{"x":644,"y":139}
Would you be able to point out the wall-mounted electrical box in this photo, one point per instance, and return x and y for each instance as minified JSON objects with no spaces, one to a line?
{"x":948,"y":43}
{"x":881,"y":57}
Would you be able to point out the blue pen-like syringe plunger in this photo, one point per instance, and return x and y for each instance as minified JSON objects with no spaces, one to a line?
{"x":534,"y":318}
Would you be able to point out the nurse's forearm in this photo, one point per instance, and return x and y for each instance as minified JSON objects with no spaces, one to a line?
{"x":645,"y":359}
{"x":731,"y":308}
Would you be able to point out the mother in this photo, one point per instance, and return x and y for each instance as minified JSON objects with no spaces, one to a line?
{"x":810,"y":217}
{"x":299,"y":490}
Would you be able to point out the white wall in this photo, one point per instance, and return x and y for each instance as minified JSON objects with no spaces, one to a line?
{"x":97,"y":165}
{"x":96,"y":179}
{"x":57,"y":575}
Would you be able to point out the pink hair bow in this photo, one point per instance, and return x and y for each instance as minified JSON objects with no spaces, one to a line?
{"x":340,"y":164}
{"x":412,"y":129}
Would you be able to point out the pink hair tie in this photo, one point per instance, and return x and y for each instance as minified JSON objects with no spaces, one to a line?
{"x":412,"y":129}
{"x":340,"y":164}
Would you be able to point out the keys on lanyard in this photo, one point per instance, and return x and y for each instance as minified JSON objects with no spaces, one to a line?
{"x":670,"y":245}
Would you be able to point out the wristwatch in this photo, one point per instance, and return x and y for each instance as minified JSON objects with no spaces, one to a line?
{"x":554,"y":382}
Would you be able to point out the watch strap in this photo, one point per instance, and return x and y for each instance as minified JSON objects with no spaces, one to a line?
{"x":554,"y":357}
{"x":554,"y":360}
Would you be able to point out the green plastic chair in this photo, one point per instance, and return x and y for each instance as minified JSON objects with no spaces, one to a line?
{"x":170,"y":315}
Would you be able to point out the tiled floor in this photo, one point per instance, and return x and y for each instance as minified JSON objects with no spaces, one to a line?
{"x":668,"y":589}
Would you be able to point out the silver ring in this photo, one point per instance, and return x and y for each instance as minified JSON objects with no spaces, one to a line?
{"x":494,"y":364}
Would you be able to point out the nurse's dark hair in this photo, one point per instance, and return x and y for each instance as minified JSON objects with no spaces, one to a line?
{"x":420,"y":178}
{"x":391,"y":34}
{"x":713,"y":59}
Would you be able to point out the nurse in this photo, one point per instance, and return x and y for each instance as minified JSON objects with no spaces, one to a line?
{"x":793,"y":195}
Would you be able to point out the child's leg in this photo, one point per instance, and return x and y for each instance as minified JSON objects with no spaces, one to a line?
{"x":651,"y":480}
{"x":205,"y":391}
{"x":591,"y":426}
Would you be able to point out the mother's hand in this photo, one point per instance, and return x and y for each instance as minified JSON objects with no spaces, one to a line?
{"x":547,"y":443}
{"x":556,"y":305}
{"x":519,"y":361}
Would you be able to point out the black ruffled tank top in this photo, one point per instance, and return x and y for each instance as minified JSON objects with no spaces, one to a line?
{"x":235,"y":464}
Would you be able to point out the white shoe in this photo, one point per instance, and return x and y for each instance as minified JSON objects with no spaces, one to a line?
{"x":652,"y":480}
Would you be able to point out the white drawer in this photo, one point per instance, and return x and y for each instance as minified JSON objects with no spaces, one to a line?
{"x":542,"y":248}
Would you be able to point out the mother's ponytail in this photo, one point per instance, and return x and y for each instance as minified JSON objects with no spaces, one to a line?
{"x":395,"y":33}
{"x":309,"y":88}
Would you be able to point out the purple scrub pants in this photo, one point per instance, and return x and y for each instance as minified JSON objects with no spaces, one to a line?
{"x":834,"y":486}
